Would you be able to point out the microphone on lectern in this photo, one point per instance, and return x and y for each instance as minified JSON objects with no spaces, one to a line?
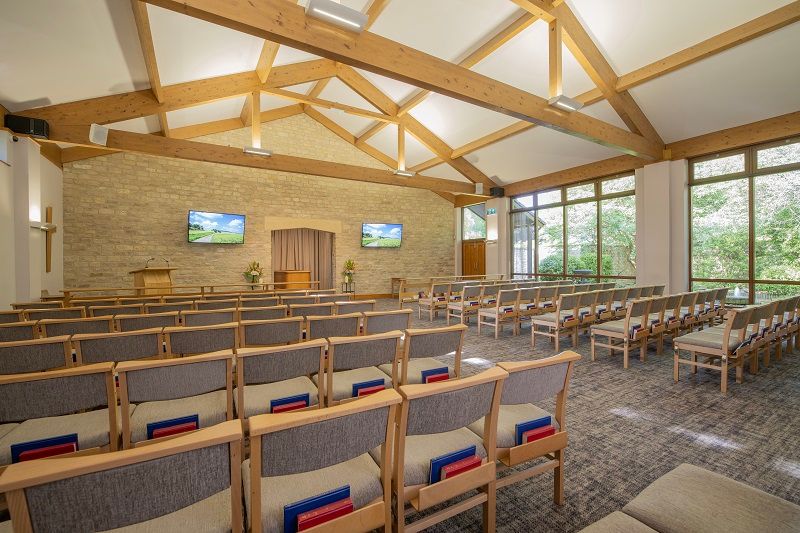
{"x":147,"y":263}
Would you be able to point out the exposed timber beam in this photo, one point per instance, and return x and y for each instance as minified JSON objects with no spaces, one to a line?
{"x":136,"y":104}
{"x":605,"y":167}
{"x":198,"y":151}
{"x":289,"y":95}
{"x":162,"y":119}
{"x":285,"y":23}
{"x":555,"y":42}
{"x":148,"y":50}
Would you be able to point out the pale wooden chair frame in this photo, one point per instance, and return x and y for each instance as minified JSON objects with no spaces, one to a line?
{"x":118,"y":318}
{"x":36,"y":333}
{"x":129,"y":366}
{"x":552,"y":447}
{"x":18,"y":313}
{"x":435,"y":305}
{"x":483,"y":478}
{"x":329,"y":373}
{"x":300,"y":307}
{"x":375,"y":515}
{"x":181,"y":329}
{"x":343,"y":305}
{"x":20,"y":306}
{"x":368,"y":315}
{"x":461,"y":304}
{"x":243,"y":310}
{"x":314,"y":319}
{"x":406,"y":349}
{"x":626,"y":341}
{"x":99,"y":308}
{"x":155,"y":309}
{"x":554,"y":332}
{"x":42,"y":324}
{"x":77,"y":339}
{"x":301,"y":321}
{"x":499,"y":318}
{"x":233,"y":310}
{"x":22,"y":476}
{"x":28,"y":317}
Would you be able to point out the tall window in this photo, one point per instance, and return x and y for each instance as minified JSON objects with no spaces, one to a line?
{"x":473,"y":222}
{"x":745,"y":221}
{"x":587,"y":228}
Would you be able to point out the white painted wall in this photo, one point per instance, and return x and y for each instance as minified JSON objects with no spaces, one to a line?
{"x":52,"y":195}
{"x":457,"y":240}
{"x":8,"y":287}
{"x":497,"y":237}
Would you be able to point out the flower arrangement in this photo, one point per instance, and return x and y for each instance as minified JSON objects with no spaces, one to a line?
{"x":253,"y":272}
{"x":349,"y":269}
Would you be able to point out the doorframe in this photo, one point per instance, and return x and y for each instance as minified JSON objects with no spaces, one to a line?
{"x":468,"y":241}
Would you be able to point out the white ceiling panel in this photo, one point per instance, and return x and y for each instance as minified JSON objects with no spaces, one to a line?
{"x":444,"y":28}
{"x":287,"y":56}
{"x":302,"y":88}
{"x":751,"y":82}
{"x":603,"y":111}
{"x":445,"y":171}
{"x":396,"y":90}
{"x":55,"y":52}
{"x":192,"y":49}
{"x":536,"y":152}
{"x":221,"y":109}
{"x":523,"y":63}
{"x":353,"y":123}
{"x":634,"y":33}
{"x":149,"y":124}
{"x":269,"y":101}
{"x":337,"y":91}
{"x":386,"y":142}
{"x":458,"y":122}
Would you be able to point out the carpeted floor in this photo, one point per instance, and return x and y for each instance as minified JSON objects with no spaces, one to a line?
{"x":628,"y":427}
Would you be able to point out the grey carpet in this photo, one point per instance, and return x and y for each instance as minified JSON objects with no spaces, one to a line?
{"x":629,"y":427}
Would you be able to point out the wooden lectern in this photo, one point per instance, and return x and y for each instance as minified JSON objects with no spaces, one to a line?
{"x":292,"y":279}
{"x":152,"y":280}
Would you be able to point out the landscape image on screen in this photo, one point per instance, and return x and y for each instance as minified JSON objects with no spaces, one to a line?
{"x":381,"y":235}
{"x":215,"y":228}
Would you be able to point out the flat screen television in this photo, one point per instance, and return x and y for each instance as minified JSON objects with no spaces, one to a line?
{"x":215,"y":228}
{"x":381,"y":235}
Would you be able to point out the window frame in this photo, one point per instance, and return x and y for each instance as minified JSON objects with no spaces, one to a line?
{"x":473,"y":239}
{"x":597,"y":199}
{"x":751,"y":172}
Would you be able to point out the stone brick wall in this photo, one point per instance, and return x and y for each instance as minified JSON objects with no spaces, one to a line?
{"x":123,"y":208}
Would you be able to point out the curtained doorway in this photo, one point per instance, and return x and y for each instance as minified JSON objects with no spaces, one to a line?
{"x":305,"y":249}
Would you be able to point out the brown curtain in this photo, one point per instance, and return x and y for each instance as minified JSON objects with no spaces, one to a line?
{"x":304,"y":249}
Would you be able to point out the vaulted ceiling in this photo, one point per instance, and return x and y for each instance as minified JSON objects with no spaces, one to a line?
{"x":53,"y":53}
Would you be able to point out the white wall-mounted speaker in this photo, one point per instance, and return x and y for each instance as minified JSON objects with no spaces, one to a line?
{"x":479,"y":188}
{"x":5,"y":147}
{"x":98,"y":134}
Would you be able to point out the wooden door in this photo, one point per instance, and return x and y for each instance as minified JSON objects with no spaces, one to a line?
{"x":473,"y":258}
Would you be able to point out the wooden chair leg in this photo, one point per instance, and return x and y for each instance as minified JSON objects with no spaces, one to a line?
{"x":643,"y":350}
{"x":766,"y":355}
{"x":557,"y":338}
{"x":497,"y":328}
{"x":533,"y":335}
{"x":739,"y":371}
{"x":694,"y":360}
{"x":724,"y":381}
{"x":400,"y":515}
{"x":625,"y":355}
{"x":490,"y":508}
{"x":591,"y":340}
{"x":675,"y":366}
{"x":558,"y":479}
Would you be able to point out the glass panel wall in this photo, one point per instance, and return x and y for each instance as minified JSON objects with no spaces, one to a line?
{"x":473,"y":222}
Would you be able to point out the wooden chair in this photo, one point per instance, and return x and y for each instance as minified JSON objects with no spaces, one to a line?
{"x":140,"y":300}
{"x":296,"y":456}
{"x":73,"y":326}
{"x":604,"y":308}
{"x":466,"y":304}
{"x":360,"y":306}
{"x":257,"y":294}
{"x":529,"y":383}
{"x":148,"y":321}
{"x":421,"y":347}
{"x":271,"y":332}
{"x":563,"y":319}
{"x":383,"y":321}
{"x":688,"y":311}
{"x":210,"y":305}
{"x":719,"y":303}
{"x":279,"y":374}
{"x":656,"y":323}
{"x":792,"y":324}
{"x":226,"y":296}
{"x":269,"y":301}
{"x":505,"y":309}
{"x":161,"y":399}
{"x":298,"y":300}
{"x":489,"y":294}
{"x":89,"y":302}
{"x":201,"y":339}
{"x":629,"y":332}
{"x":333,"y":298}
{"x":321,"y":327}
{"x":19,"y":331}
{"x":209,"y":317}
{"x":647,"y":291}
{"x":274,"y":312}
{"x":759,"y":338}
{"x":672,"y":314}
{"x":730,"y":347}
{"x":112,"y":310}
{"x":547,"y":299}
{"x":37,"y":305}
{"x":19,"y":357}
{"x":527,"y":305}
{"x":58,"y":312}
{"x":433,"y":422}
{"x":434,"y":301}
{"x":618,"y":303}
{"x":62,"y":406}
{"x":191,"y":483}
{"x":353,"y":364}
{"x":181,"y":298}
{"x":9,"y":317}
{"x":587,"y":308}
{"x":116,"y":347}
{"x":168,"y":307}
{"x":306,"y":310}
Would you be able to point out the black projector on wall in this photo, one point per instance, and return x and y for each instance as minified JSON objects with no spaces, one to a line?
{"x":35,"y":127}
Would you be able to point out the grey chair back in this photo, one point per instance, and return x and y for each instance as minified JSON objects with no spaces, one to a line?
{"x":168,"y":307}
{"x":86,"y":304}
{"x":528,"y":294}
{"x":113,"y":310}
{"x":116,"y":347}
{"x":658,"y":290}
{"x":18,"y":331}
{"x":333,"y":298}
{"x":153,"y":320}
{"x":646,"y":291}
{"x":434,"y":342}
{"x":259,"y":302}
{"x":140,"y":300}
{"x":208,"y":318}
{"x":221,"y":296}
{"x":274,"y":312}
{"x":269,"y":365}
{"x":272,"y":332}
{"x":176,"y":378}
{"x":383,"y":321}
{"x":635,"y":292}
{"x":311,"y":310}
{"x":36,"y":305}
{"x":541,"y":382}
{"x":322,"y":327}
{"x":8,"y":317}
{"x":75,"y":326}
{"x":471,"y":293}
{"x":181,"y":298}
{"x":508,"y":298}
{"x":721,"y":296}
{"x":361,"y":306}
{"x":347,"y":353}
{"x":298,"y":300}
{"x":490,"y":291}
{"x":35,"y":355}
{"x":208,"y":305}
{"x":60,"y":312}
{"x":201,"y":339}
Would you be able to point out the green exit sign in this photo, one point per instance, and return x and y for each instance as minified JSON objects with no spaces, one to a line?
{"x":491,"y":211}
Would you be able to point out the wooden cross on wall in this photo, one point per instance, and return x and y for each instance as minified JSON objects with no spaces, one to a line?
{"x":48,"y":229}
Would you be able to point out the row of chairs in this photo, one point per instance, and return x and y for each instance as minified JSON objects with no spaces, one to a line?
{"x":650,"y":320}
{"x":161,"y":397}
{"x":101,"y":308}
{"x":743,"y":337}
{"x":80,"y":349}
{"x":47,"y":327}
{"x":369,"y":451}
